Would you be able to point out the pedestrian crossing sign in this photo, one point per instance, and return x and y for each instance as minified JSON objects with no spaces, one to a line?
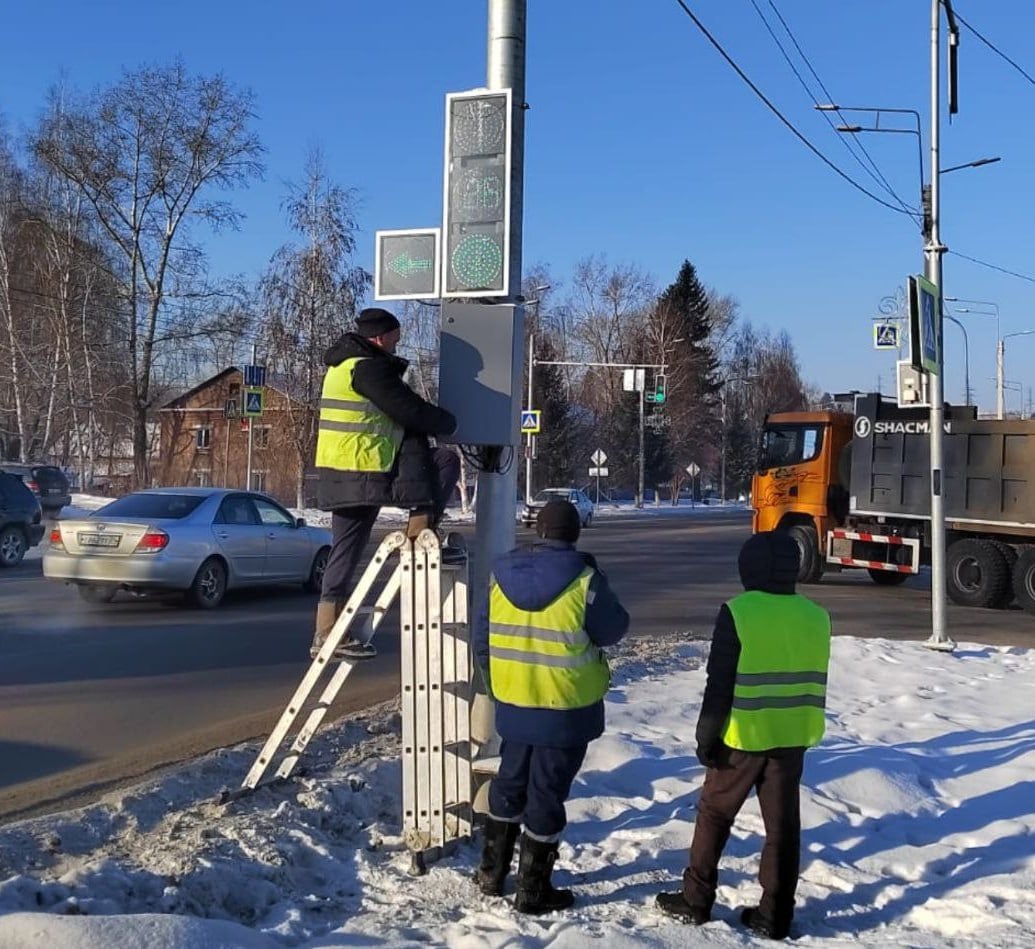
{"x":885,"y":335}
{"x":253,"y":403}
{"x":530,"y":422}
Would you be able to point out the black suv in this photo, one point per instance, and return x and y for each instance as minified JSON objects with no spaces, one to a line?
{"x":47,"y":482}
{"x":21,"y":520}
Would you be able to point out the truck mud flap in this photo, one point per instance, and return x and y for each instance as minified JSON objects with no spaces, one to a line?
{"x":892,"y":552}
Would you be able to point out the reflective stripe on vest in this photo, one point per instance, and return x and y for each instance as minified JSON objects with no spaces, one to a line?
{"x":354,"y":434}
{"x":780,"y":692}
{"x":545,"y":658}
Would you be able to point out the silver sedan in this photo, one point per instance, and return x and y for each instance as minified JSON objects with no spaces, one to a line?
{"x":201,"y":541}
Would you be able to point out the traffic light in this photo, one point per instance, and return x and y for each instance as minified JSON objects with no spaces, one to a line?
{"x":476,"y":257}
{"x":659,"y":388}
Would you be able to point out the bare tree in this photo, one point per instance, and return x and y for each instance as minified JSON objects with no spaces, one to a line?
{"x":147,"y":154}
{"x":309,"y":295}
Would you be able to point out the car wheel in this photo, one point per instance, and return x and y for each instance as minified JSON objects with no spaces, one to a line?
{"x":810,"y":567}
{"x":98,"y":593}
{"x":887,"y":578}
{"x":209,"y":586}
{"x":586,"y":522}
{"x":1024,"y":580}
{"x":12,"y":546}
{"x":315,"y":582}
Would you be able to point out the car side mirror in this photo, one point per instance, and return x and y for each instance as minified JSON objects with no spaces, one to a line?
{"x":299,"y":522}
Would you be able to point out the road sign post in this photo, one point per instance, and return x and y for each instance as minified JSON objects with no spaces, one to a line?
{"x":598,"y":470}
{"x":693,"y":469}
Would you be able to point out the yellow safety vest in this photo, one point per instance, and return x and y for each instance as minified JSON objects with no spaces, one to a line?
{"x":781,"y":687}
{"x":354,"y":434}
{"x":545,"y":658}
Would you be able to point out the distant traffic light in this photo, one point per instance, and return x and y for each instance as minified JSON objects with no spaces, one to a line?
{"x":659,"y":388}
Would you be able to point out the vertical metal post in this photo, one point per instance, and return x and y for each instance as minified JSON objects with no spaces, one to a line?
{"x":722,"y":451}
{"x":933,"y":271}
{"x":497,"y":493}
{"x":640,"y":393}
{"x":251,"y":426}
{"x":528,"y":405}
{"x":1000,"y":396}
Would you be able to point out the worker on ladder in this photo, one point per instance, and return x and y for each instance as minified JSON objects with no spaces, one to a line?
{"x":538,"y":643}
{"x":373,"y":449}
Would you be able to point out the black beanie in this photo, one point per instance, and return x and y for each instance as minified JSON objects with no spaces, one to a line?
{"x":558,"y":520}
{"x":375,"y":322}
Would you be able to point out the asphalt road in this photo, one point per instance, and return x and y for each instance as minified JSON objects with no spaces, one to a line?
{"x":93,"y":696}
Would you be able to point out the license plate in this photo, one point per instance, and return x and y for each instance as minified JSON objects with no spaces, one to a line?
{"x":99,"y":540}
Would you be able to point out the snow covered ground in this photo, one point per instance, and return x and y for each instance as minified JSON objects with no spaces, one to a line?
{"x":918,"y":809}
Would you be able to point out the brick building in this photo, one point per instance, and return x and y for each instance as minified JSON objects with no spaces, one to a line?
{"x":202,"y":446}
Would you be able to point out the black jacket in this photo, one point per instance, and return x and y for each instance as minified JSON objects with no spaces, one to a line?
{"x":412,"y":480}
{"x":768,"y":564}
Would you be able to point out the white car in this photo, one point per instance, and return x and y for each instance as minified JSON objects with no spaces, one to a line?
{"x":576,"y":496}
{"x":199,"y":541}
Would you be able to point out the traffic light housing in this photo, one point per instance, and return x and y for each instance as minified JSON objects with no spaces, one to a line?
{"x":476,"y":212}
{"x":659,"y":388}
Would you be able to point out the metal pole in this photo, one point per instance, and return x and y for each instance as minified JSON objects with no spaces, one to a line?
{"x":640,"y":392}
{"x":933,"y":271}
{"x":528,"y":441}
{"x":722,"y":450}
{"x":248,"y":475}
{"x":505,"y":69}
{"x":1000,"y":358}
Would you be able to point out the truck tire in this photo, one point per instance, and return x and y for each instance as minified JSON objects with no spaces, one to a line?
{"x":977,"y":573}
{"x":887,"y":578}
{"x":1024,"y":580}
{"x":810,"y":568}
{"x":1009,"y":553}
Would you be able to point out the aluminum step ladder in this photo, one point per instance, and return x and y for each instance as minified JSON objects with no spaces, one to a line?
{"x":436,"y":688}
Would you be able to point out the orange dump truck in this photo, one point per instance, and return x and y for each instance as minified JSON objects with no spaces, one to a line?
{"x":853,"y":490}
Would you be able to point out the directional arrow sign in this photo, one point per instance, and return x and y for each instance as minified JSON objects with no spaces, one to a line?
{"x":598,"y":457}
{"x":530,"y":421}
{"x":406,"y":265}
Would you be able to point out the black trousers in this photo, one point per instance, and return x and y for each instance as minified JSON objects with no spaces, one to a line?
{"x":532,"y":785}
{"x":776,"y":778}
{"x":351,"y":528}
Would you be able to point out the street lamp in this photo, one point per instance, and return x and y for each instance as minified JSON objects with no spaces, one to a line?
{"x":966,"y":358}
{"x":531,"y":365}
{"x":1000,"y":361}
{"x":999,"y":408}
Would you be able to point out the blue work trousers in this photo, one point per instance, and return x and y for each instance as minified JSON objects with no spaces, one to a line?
{"x":532,"y":785}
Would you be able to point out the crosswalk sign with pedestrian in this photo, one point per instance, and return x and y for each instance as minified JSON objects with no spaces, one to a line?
{"x":885,"y":335}
{"x":530,"y":422}
{"x":252,"y":403}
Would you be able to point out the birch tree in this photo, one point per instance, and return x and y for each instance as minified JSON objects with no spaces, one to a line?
{"x":150,"y":156}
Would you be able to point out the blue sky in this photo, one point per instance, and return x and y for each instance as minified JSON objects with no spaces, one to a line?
{"x":641,"y":142}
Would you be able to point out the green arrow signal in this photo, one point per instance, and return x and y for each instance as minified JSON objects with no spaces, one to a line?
{"x":406,"y":266}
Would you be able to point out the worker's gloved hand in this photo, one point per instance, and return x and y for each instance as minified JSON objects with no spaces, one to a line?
{"x":708,"y":755}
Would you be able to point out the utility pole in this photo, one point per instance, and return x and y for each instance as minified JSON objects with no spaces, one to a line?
{"x":251,"y":426}
{"x":529,"y":441}
{"x":505,"y":69}
{"x":1000,"y":395}
{"x":933,"y":251}
{"x":641,"y":392}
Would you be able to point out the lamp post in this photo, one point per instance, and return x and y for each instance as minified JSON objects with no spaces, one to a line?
{"x":966,"y":358}
{"x":531,"y":365}
{"x":1000,"y":368}
{"x":999,"y":408}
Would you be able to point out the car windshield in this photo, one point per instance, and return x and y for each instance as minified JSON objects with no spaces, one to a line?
{"x":789,"y":445}
{"x":552,"y":494}
{"x":153,"y":506}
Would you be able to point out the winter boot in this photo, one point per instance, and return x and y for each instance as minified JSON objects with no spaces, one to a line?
{"x":535,"y":893}
{"x":500,"y":838}
{"x":454,"y":548}
{"x":676,"y":906}
{"x":762,"y":925}
{"x":327,"y":612}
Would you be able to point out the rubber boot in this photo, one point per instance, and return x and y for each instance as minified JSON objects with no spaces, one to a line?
{"x":497,"y":853}
{"x":327,"y":612}
{"x":535,"y":892}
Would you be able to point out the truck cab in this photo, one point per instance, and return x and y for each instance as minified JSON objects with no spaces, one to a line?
{"x":801,"y":480}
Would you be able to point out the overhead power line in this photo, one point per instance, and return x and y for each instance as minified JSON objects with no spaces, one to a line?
{"x":995,"y":49}
{"x":850,"y":142}
{"x":772,"y":108}
{"x":985,"y":263}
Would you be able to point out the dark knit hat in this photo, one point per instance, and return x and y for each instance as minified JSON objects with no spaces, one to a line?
{"x":375,"y":322}
{"x":558,"y":520}
{"x":768,"y":561}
